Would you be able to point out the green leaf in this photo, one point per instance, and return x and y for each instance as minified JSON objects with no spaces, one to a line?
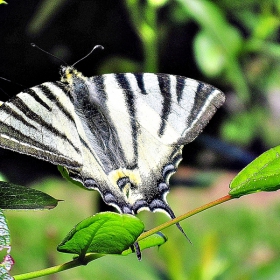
{"x":209,"y":54}
{"x":213,"y":21}
{"x":266,"y":26}
{"x":3,"y":2}
{"x":19,"y":197}
{"x":5,"y":243}
{"x":63,"y":171}
{"x":104,"y":233}
{"x":153,"y":240}
{"x":262,"y":174}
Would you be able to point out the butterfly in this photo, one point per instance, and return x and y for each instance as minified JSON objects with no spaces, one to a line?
{"x":120,"y":134}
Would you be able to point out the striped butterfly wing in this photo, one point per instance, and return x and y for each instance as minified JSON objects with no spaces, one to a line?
{"x":121,"y":134}
{"x":40,"y":122}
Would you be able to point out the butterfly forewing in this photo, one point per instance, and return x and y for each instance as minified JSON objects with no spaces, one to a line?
{"x":33,"y":123}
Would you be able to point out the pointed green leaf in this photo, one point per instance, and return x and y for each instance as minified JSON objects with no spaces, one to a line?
{"x":153,"y":240}
{"x":104,"y":233}
{"x":262,"y":174}
{"x":19,"y":197}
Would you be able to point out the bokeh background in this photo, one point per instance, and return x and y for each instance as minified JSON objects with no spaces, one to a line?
{"x":234,"y":45}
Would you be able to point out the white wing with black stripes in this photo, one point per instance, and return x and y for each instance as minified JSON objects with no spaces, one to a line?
{"x":121,"y":134}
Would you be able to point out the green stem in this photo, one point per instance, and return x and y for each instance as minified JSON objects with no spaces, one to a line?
{"x":58,"y":268}
{"x":184,"y":216}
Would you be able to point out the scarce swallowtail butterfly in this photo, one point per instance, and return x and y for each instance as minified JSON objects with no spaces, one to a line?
{"x":121,"y":134}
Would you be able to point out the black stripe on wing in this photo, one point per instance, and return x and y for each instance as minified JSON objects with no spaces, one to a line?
{"x":180,"y":85}
{"x":17,"y":102}
{"x":33,"y":147}
{"x":65,"y":88}
{"x":140,"y":83}
{"x":164,"y":85}
{"x":100,"y":88}
{"x":10,"y":112}
{"x":123,"y":83}
{"x":33,"y":93}
{"x":203,"y":91}
{"x":49,"y":94}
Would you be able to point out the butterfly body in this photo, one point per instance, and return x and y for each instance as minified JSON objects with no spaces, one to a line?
{"x":121,"y":134}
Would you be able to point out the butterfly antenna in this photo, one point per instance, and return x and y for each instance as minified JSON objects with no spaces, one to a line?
{"x":35,"y":46}
{"x":94,"y":48}
{"x":7,"y":80}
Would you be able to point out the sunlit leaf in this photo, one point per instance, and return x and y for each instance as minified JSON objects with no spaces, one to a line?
{"x":105,"y":233}
{"x":156,"y":239}
{"x":266,"y":26}
{"x":209,"y":55}
{"x":19,"y":197}
{"x":213,"y":21}
{"x":262,"y":174}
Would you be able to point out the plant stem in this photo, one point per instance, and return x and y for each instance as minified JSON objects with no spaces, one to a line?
{"x":58,"y":268}
{"x":184,"y":216}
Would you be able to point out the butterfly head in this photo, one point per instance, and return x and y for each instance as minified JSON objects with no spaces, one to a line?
{"x":69,"y":73}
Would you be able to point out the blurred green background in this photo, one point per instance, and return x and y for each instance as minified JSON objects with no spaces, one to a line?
{"x":233,"y":45}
